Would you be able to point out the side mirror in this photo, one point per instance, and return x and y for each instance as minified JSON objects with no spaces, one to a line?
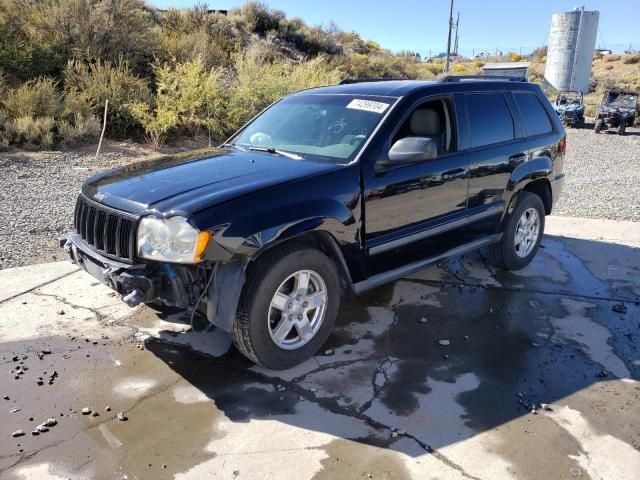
{"x":411,"y":150}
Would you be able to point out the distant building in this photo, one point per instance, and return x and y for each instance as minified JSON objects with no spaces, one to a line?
{"x":507,"y":69}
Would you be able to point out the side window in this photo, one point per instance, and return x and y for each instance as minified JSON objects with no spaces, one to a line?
{"x":535,"y":118}
{"x":433,"y":119}
{"x":490,"y":119}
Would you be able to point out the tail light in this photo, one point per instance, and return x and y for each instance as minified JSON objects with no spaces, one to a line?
{"x":563,"y":146}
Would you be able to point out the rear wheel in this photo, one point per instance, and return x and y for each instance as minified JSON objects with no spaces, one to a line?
{"x":598,"y":126}
{"x":522,"y":233}
{"x":288,"y":307}
{"x":621,"y":128}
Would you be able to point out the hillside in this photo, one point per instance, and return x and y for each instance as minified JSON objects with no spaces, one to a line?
{"x":175,"y":74}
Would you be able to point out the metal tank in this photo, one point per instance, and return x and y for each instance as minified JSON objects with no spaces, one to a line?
{"x":572,"y":40}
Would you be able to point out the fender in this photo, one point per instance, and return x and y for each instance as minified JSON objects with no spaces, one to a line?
{"x":522,"y":175}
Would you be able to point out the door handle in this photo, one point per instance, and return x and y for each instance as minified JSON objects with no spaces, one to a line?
{"x":457,"y":173}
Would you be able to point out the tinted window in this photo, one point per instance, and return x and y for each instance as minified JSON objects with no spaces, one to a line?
{"x":489,"y":119}
{"x":535,"y":118}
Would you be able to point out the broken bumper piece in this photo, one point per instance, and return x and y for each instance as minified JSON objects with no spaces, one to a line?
{"x":136,"y":283}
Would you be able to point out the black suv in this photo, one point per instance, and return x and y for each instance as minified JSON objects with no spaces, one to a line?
{"x":330,"y":190}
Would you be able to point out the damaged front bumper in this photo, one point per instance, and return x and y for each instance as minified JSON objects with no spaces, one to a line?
{"x":172,"y":285}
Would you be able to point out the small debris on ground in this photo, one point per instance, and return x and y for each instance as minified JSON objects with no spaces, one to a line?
{"x":18,"y":433}
{"x":107,"y":408}
{"x":122,"y":417}
{"x":603,"y":374}
{"x":575,"y":472}
{"x":60,"y":312}
{"x":86,"y":411}
{"x":423,"y":320}
{"x":51,"y":422}
{"x":329,"y":352}
{"x":444,"y":343}
{"x":15,"y":410}
{"x":619,"y":308}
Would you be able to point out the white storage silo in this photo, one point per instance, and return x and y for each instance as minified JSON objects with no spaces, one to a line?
{"x":572,"y":40}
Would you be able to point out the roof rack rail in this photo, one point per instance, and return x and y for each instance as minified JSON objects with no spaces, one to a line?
{"x":458,"y":78}
{"x":349,"y":81}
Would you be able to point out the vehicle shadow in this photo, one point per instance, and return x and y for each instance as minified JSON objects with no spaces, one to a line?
{"x":451,"y":353}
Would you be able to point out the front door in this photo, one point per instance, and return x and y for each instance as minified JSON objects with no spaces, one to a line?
{"x":417,"y":211}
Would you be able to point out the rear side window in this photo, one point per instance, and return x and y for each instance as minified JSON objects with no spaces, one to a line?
{"x":490,"y":119}
{"x":535,"y":118}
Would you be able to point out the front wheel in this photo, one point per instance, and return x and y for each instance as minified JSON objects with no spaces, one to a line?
{"x":621,"y":127}
{"x":522,"y":233}
{"x":288,"y":307}
{"x":598,"y":126}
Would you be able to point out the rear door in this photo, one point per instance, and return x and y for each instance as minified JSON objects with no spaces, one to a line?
{"x":496,"y":147}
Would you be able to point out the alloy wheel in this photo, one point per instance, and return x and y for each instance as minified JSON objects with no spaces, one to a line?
{"x":527,"y":232}
{"x":297,"y":309}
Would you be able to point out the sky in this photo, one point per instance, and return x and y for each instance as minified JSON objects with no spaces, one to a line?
{"x":421,"y":25}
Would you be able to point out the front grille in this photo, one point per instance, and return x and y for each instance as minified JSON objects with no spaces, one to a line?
{"x":108,"y":231}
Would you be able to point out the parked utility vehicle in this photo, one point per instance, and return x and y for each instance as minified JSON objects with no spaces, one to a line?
{"x":329,"y":191}
{"x":617,"y":110}
{"x":569,"y":106}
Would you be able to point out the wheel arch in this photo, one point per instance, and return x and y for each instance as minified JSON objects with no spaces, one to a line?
{"x":320,"y":239}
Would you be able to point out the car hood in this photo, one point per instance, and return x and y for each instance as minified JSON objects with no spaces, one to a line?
{"x":185,"y":183}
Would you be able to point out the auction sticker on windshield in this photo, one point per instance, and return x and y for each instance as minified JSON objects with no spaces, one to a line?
{"x":368,"y":105}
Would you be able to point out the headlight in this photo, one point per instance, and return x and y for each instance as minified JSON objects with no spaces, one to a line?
{"x":171,"y":240}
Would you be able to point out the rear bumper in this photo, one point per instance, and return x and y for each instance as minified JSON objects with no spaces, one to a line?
{"x":173,"y":285}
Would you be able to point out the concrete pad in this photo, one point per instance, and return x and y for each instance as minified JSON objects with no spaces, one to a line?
{"x":539,"y":378}
{"x":14,"y":281}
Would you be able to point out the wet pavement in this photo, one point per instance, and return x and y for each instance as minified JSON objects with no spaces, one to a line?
{"x":462,"y":371}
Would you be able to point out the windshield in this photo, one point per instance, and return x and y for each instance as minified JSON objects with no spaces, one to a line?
{"x":333,"y":127}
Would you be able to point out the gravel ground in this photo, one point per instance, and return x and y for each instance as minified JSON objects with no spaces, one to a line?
{"x":37,"y":197}
{"x":38,"y":190}
{"x":603,"y":176}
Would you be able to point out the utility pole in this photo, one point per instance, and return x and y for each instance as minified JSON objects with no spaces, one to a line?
{"x":446,"y":63}
{"x":455,"y":44}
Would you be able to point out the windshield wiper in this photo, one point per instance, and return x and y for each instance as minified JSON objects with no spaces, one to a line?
{"x":283,"y":153}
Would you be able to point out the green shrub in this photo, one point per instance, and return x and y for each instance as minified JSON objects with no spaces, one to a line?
{"x":258,"y":18}
{"x":258,"y":84}
{"x":80,"y":131}
{"x":196,"y":33}
{"x":514,"y":57}
{"x":29,"y":132}
{"x":309,"y":40}
{"x":629,"y":59}
{"x":88,"y":85}
{"x":105,"y":29}
{"x":187,"y":96}
{"x":35,"y":98}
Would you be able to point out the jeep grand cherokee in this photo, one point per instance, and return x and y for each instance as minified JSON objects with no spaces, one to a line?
{"x":328,"y":191}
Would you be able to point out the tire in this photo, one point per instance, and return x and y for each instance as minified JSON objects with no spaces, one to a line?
{"x":508,"y":253}
{"x":258,"y":322}
{"x":598,"y":126}
{"x":621,"y":128}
